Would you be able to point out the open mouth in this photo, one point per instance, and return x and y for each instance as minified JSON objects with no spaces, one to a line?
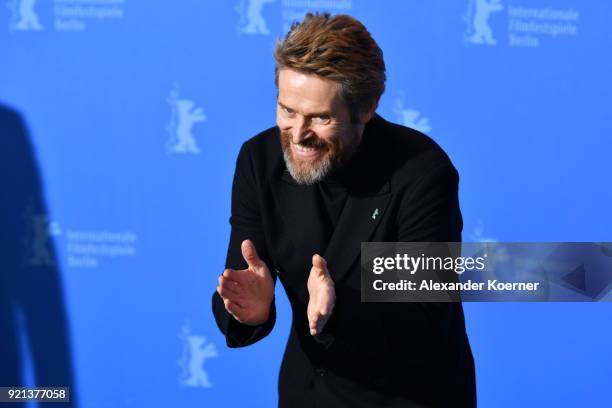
{"x":306,"y":152}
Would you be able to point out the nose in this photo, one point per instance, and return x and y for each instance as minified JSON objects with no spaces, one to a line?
{"x":300,"y":130}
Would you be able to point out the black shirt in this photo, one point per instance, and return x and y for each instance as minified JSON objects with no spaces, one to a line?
{"x":333,"y":195}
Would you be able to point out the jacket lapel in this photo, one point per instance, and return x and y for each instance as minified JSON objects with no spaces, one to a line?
{"x":359,"y":219}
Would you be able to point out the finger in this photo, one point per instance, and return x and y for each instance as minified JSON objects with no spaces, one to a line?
{"x":233,"y":306}
{"x":315,"y":318}
{"x":318,"y":319}
{"x":316,"y":326}
{"x":234,"y":276}
{"x":319,"y":266}
{"x":311,"y":319}
{"x":249,"y":253}
{"x":235,"y":310}
{"x":230,"y":285}
{"x":227,"y":295}
{"x":319,"y":262}
{"x":312,"y":325}
{"x":326,"y":310}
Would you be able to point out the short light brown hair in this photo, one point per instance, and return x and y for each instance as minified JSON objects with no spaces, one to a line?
{"x":338,"y":48}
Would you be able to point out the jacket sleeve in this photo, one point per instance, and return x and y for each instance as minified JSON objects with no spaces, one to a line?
{"x":245,"y":223}
{"x":403,"y":332}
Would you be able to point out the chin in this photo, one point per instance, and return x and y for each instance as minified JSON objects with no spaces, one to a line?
{"x":306,"y":171}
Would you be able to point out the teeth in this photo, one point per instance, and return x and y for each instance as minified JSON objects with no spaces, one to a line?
{"x":301,"y":148}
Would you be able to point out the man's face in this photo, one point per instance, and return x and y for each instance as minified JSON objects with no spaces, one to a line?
{"x":315,"y":126}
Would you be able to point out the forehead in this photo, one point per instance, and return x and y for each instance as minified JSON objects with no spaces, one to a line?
{"x":306,"y":92}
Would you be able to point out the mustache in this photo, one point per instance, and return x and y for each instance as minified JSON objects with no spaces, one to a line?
{"x":314,"y":142}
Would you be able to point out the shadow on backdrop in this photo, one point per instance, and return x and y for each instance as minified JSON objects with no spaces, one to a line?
{"x":34,"y":336}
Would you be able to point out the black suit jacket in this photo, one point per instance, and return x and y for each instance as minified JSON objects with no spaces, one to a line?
{"x":369,"y":354}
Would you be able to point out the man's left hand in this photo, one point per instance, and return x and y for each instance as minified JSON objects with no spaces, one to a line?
{"x":322,"y":295}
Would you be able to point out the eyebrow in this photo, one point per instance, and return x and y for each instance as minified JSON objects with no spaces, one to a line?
{"x":323,"y":113}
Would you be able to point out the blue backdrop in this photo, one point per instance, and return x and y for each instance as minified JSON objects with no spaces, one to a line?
{"x":120,"y":124}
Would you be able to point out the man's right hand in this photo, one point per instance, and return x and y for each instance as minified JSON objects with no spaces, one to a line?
{"x":248,"y":293}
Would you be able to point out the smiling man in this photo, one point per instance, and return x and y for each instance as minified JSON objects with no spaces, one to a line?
{"x":306,"y":193}
{"x":317,"y":131}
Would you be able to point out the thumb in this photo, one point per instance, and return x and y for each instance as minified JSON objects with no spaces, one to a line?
{"x":319,"y":262}
{"x":249,"y":253}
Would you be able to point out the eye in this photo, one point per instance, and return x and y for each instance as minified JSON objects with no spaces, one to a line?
{"x":287,"y":110}
{"x":322,"y":119}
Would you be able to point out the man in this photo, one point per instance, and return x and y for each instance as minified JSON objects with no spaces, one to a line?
{"x":306,"y":193}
